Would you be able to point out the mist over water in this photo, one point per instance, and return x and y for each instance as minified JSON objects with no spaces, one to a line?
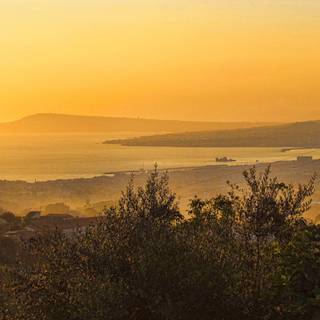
{"x":61,"y":156}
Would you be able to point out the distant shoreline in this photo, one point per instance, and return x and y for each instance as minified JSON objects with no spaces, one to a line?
{"x":142,"y":171}
{"x":298,"y":148}
{"x":115,"y":174}
{"x":293,"y":135}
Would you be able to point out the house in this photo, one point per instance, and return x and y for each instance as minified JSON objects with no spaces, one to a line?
{"x":304,"y":158}
{"x":32,"y":215}
{"x":3,"y":222}
{"x":68,"y":226}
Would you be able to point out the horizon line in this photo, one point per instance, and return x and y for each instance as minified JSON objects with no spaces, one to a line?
{"x":141,"y":118}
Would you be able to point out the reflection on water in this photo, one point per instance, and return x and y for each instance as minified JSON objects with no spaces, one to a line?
{"x":48,"y":157}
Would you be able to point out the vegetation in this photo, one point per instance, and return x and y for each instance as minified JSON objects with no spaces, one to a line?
{"x":299,"y":135}
{"x":247,"y":254}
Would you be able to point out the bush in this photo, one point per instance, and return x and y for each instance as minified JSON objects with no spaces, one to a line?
{"x":247,"y":254}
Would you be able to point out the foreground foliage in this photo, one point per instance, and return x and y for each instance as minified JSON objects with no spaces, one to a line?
{"x":248,"y":254}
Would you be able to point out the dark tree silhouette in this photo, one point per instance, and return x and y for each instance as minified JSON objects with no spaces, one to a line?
{"x":248,"y":254}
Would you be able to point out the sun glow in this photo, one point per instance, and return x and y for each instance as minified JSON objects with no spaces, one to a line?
{"x":241,"y":60}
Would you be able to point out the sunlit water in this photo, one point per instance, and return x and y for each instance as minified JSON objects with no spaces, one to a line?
{"x":49,"y":157}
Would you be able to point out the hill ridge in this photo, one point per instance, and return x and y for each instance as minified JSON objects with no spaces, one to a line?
{"x":60,"y":123}
{"x":297,"y":134}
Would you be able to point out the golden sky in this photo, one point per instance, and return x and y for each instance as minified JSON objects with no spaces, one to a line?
{"x":230,"y":60}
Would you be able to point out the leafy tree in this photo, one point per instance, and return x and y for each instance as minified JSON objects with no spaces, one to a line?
{"x":298,"y":275}
{"x":249,"y":226}
{"x":248,"y":254}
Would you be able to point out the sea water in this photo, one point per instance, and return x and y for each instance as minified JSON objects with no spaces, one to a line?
{"x":35,"y":157}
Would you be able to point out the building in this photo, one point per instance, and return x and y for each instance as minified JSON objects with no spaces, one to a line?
{"x":304,"y":158}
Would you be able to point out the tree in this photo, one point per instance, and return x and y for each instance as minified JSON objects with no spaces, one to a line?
{"x":248,"y":254}
{"x":298,"y":275}
{"x":249,"y":226}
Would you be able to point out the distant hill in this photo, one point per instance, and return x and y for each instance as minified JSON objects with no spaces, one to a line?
{"x":302,"y":134}
{"x":60,"y":123}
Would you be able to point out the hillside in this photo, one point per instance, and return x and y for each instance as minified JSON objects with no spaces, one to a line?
{"x":60,"y":123}
{"x":302,"y":134}
{"x":19,"y":196}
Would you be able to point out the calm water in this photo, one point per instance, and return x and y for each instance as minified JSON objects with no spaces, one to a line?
{"x":48,"y":157}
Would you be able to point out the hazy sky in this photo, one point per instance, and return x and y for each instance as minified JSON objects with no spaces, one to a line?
{"x":224,"y":60}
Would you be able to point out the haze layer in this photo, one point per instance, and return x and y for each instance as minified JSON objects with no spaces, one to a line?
{"x":247,"y":60}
